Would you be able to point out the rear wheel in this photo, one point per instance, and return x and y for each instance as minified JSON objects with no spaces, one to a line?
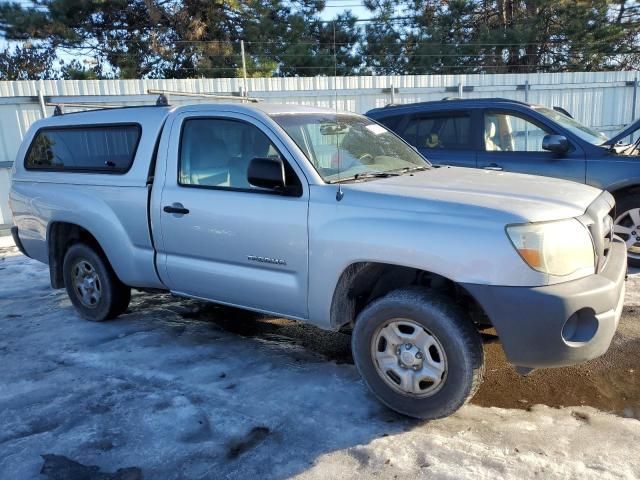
{"x":92,"y":286}
{"x":418,"y":353}
{"x":627,"y":225}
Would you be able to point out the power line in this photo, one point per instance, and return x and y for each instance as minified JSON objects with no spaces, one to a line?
{"x":382,"y":55}
{"x":416,"y":42}
{"x":591,"y":47}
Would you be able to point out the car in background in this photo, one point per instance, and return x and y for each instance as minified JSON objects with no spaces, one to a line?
{"x":508,"y":135}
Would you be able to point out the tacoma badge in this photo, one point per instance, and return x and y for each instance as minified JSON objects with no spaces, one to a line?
{"x":275,"y":261}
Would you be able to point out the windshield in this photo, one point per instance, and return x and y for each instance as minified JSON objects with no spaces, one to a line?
{"x":578,"y":129}
{"x":346,"y":146}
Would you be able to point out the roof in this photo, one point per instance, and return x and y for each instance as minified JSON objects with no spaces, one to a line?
{"x":265,"y":108}
{"x":256,"y":109}
{"x":446,"y":104}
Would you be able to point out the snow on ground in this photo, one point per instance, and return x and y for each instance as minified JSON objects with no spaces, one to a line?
{"x":171,"y":389}
{"x":6,"y":242}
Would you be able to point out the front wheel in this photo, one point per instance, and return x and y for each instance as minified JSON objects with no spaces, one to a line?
{"x":92,"y":286}
{"x":418,"y":353}
{"x":627,"y":225}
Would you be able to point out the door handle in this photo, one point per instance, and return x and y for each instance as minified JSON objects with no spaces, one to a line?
{"x":493,"y":166}
{"x":176,"y":208}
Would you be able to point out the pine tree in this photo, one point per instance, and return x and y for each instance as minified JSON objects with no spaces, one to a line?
{"x":193,"y":38}
{"x":27,"y":62}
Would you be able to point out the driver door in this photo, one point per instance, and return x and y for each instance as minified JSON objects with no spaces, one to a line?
{"x":512,"y":142}
{"x":222,"y":239}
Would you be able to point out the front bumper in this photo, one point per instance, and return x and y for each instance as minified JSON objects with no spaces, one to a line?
{"x":560,"y":324}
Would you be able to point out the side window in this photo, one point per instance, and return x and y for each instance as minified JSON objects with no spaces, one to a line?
{"x":391,"y":122}
{"x":217,"y":153}
{"x":452,"y":131}
{"x":511,"y":133}
{"x":107,"y":149}
{"x":410,"y":131}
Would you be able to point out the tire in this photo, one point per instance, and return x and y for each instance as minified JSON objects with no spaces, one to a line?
{"x":92,"y":286}
{"x":454,"y":342}
{"x":626,"y":205}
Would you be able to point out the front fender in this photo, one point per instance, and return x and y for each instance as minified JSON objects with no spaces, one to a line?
{"x":476,"y":250}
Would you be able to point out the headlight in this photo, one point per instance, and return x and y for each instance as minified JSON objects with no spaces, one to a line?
{"x":556,"y":248}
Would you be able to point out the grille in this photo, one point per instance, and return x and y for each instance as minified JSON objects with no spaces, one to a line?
{"x":599,"y":219}
{"x":607,"y":234}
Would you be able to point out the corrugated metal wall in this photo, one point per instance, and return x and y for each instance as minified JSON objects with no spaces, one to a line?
{"x":603,"y":100}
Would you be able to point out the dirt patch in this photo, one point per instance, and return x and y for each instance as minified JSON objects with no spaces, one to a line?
{"x":59,"y":467}
{"x":248,"y":442}
{"x":610,"y":383}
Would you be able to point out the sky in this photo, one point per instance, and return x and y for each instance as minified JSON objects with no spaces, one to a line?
{"x":335,"y":7}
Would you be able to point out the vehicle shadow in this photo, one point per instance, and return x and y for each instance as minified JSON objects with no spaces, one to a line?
{"x":334,"y":346}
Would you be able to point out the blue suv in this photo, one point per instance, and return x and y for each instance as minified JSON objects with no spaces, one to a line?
{"x":501,"y":134}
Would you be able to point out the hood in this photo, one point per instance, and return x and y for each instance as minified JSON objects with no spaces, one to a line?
{"x":507,"y":197}
{"x":624,"y":133}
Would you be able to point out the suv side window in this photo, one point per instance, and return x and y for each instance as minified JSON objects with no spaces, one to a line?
{"x":451,"y":131}
{"x":94,"y":149}
{"x":216,"y":153}
{"x":391,"y":123}
{"x":505,"y":132}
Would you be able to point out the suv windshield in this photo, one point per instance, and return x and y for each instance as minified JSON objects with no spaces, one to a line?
{"x":346,"y":146}
{"x":578,"y":129}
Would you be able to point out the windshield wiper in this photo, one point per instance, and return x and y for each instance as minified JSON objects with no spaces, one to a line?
{"x":385,"y":174}
{"x":625,"y":149}
{"x":404,"y":170}
{"x":359,"y":176}
{"x":632,"y":148}
{"x":365,"y":175}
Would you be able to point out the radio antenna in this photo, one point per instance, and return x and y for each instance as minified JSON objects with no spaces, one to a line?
{"x":339,"y":193}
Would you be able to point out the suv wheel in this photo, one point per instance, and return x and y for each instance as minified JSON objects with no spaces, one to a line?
{"x":92,"y":286}
{"x":627,"y":225}
{"x":418,"y":353}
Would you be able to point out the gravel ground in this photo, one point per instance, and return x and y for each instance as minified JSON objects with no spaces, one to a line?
{"x":178,"y":389}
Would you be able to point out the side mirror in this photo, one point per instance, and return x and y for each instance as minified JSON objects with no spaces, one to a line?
{"x":267,"y":173}
{"x":556,"y":144}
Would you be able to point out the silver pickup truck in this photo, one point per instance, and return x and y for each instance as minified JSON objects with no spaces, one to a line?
{"x":330,"y":219}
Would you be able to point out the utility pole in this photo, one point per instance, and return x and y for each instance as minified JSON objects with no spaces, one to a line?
{"x":244,"y":70}
{"x":634,"y":102}
{"x":43,"y":108}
